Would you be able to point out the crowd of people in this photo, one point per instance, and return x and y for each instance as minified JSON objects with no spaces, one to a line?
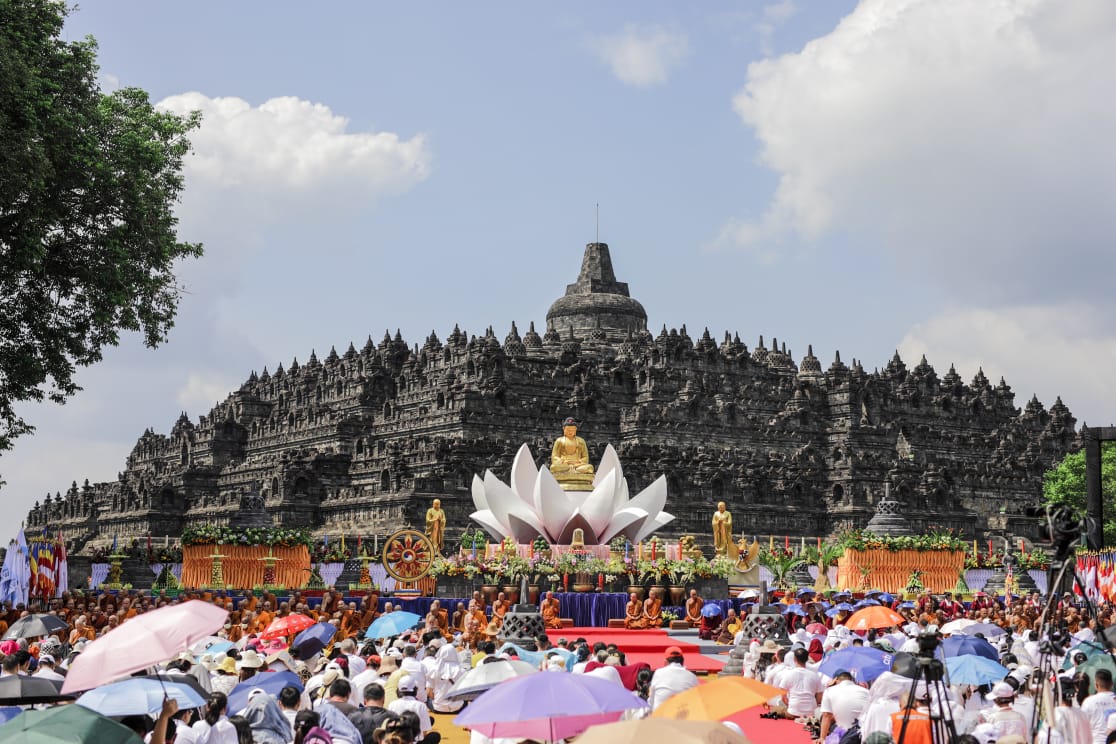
{"x":393,"y":690}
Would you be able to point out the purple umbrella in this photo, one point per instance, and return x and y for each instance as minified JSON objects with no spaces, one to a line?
{"x":313,"y":639}
{"x":960,"y":645}
{"x":549,"y":707}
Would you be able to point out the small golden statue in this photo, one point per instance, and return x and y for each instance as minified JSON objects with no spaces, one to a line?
{"x":577,"y":542}
{"x":436,"y":525}
{"x":687,"y":547}
{"x":722,"y":529}
{"x":569,"y":460}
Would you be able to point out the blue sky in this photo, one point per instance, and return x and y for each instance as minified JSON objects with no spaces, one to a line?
{"x":929,"y":175}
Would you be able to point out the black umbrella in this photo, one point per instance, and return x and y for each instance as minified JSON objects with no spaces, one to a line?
{"x":21,"y":690}
{"x":34,"y":626}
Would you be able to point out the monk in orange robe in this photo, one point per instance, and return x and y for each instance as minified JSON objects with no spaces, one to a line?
{"x":458,"y":621}
{"x":442,"y":617}
{"x":693,"y":609}
{"x":653,"y":610}
{"x":500,"y":607}
{"x":550,"y":612}
{"x":633,"y":617}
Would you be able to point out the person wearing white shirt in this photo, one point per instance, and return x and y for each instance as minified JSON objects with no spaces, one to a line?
{"x":842,"y":703}
{"x":803,"y":686}
{"x":407,"y":701}
{"x":774,"y":670}
{"x":46,"y":669}
{"x":1100,"y":705}
{"x":412,"y":666}
{"x":215,"y":728}
{"x":1004,"y":718}
{"x":356,"y":663}
{"x":670,"y":679}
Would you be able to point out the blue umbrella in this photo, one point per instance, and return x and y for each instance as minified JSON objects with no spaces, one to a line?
{"x":711,"y":610}
{"x":392,"y":624}
{"x":908,"y":605}
{"x":865,"y":603}
{"x":885,"y":598}
{"x":969,"y":646}
{"x":314,"y":639}
{"x":804,"y":592}
{"x":832,"y":611}
{"x":269,"y":682}
{"x":794,"y":610}
{"x":974,"y":670}
{"x":214,"y":649}
{"x":863,"y":662}
{"x":988,"y":630}
{"x":138,"y":696}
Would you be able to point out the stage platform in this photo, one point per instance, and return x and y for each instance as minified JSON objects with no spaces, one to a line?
{"x":702,"y":657}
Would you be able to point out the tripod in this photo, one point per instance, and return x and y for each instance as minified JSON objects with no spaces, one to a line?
{"x":930,"y":671}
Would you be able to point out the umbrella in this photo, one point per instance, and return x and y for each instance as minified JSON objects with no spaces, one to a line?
{"x":660,"y":731}
{"x":22,"y":690}
{"x":1088,"y":648}
{"x":139,"y":696}
{"x":9,"y":712}
{"x":548,"y":707}
{"x":151,"y":638}
{"x":717,"y":699}
{"x":314,"y":639}
{"x":988,"y":630}
{"x":177,"y":678}
{"x":392,"y":624}
{"x":958,"y":625}
{"x":876,"y":616}
{"x":795,"y":609}
{"x":486,"y":676}
{"x":65,"y":723}
{"x":835,"y":609}
{"x":269,"y":682}
{"x":863,"y":662}
{"x":288,"y":625}
{"x":974,"y":670}
{"x":1090,"y":667}
{"x":711,"y":610}
{"x":212,"y":646}
{"x":865,"y":603}
{"x":969,"y":645}
{"x":885,"y":598}
{"x":34,"y":626}
{"x":908,"y":605}
{"x":816,"y":629}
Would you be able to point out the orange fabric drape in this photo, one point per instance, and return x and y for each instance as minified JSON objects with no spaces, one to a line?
{"x":242,"y":567}
{"x":891,"y":569}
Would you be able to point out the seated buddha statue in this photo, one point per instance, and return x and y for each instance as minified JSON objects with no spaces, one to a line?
{"x":569,"y":460}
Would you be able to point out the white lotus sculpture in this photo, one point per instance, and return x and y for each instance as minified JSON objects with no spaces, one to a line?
{"x":536,"y":505}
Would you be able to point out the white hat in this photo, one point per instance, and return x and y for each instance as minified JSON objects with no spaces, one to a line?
{"x":1003,"y":690}
{"x":393,"y":653}
{"x":986,"y":733}
{"x":249,"y":660}
{"x":46,"y":659}
{"x":407,"y":684}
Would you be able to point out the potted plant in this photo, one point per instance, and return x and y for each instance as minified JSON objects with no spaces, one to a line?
{"x":781,"y":563}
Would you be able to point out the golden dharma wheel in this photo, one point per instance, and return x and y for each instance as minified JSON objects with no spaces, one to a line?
{"x":408,"y":555}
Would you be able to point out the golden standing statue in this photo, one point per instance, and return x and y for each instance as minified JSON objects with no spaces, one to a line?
{"x":722,"y":529}
{"x":569,"y":460}
{"x":436,"y":525}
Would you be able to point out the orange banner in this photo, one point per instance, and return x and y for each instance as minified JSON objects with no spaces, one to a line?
{"x":243,"y":568}
{"x":889,"y":570}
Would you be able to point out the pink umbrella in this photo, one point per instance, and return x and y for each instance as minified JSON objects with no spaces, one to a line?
{"x":547,"y":707}
{"x":151,"y":638}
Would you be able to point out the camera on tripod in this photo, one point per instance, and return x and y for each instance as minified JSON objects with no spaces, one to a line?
{"x":928,"y":643}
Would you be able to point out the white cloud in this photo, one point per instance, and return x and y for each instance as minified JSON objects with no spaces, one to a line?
{"x":972,"y":140}
{"x":642,"y":55}
{"x":202,"y":391}
{"x":1048,"y":350}
{"x":773,"y":17}
{"x":296,"y":149}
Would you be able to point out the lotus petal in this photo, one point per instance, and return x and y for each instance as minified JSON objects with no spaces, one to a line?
{"x":659,"y":521}
{"x":628,"y":522}
{"x":597,"y":507}
{"x":491,"y":525}
{"x":524,"y":528}
{"x":653,"y":498}
{"x":554,"y":505}
{"x":620,"y":499}
{"x":610,"y":462}
{"x":576,"y":521}
{"x":504,"y":504}
{"x":523,"y":475}
{"x":479,"y":499}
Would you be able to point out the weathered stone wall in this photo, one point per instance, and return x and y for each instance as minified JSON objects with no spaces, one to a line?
{"x":364,"y":440}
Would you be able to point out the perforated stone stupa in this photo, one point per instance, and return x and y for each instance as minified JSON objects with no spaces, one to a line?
{"x":362,"y":440}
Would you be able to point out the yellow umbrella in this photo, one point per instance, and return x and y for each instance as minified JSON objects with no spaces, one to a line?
{"x":716,"y":700}
{"x":661,"y":731}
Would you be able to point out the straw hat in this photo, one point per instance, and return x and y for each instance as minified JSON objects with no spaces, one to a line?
{"x":227,"y":665}
{"x":249,"y":660}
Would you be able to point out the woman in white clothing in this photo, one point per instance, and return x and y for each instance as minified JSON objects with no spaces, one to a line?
{"x":447,"y":670}
{"x":215,"y":728}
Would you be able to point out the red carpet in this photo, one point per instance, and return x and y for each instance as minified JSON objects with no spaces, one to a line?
{"x":643,"y":645}
{"x":768,"y":731}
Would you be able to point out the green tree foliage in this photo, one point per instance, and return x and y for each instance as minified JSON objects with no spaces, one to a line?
{"x":1064,"y":485}
{"x":88,"y":183}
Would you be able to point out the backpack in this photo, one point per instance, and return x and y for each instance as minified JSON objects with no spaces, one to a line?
{"x":852,"y":734}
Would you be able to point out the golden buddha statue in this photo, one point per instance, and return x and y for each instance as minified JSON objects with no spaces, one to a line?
{"x":722,"y":529}
{"x":569,"y":460}
{"x":436,"y":525}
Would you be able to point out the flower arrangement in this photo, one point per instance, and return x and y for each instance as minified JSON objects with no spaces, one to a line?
{"x":220,"y":535}
{"x":1036,"y":559}
{"x":934,"y":540}
{"x":668,"y":618}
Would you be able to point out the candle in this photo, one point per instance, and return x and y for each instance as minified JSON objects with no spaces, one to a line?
{"x":625,"y":552}
{"x":654,"y":549}
{"x":974,"y":548}
{"x":802,"y":544}
{"x":819,"y":544}
{"x":989,"y":546}
{"x":600,"y":581}
{"x":641,"y":550}
{"x":1021,"y":549}
{"x":770,"y":543}
{"x":786,"y":542}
